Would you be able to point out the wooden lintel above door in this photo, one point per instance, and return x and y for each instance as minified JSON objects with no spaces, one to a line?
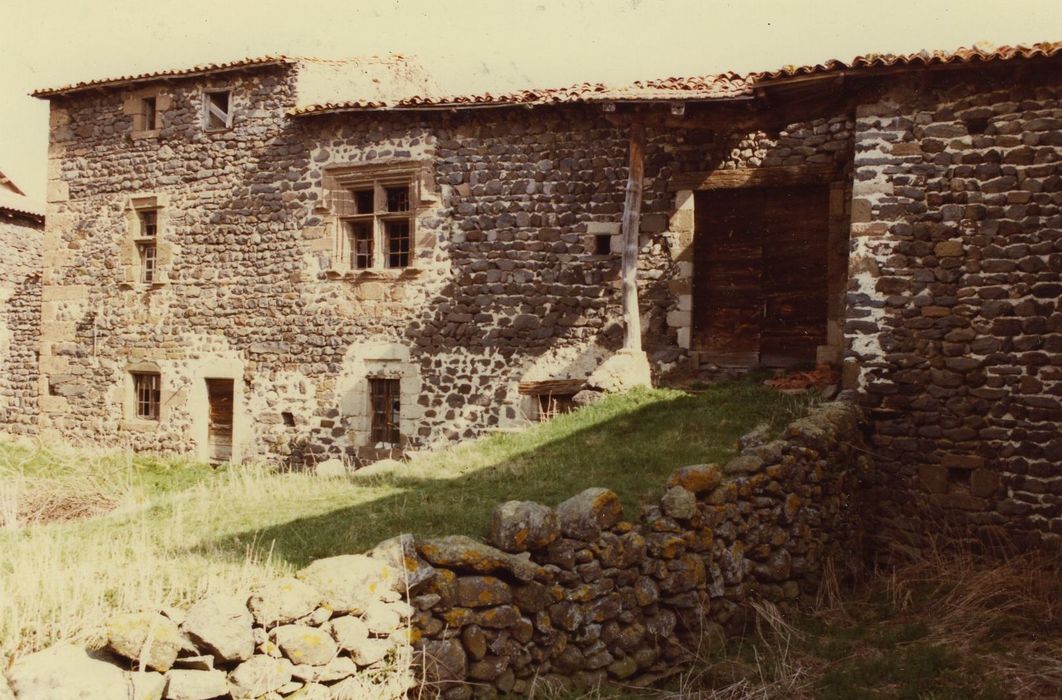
{"x":780,"y":176}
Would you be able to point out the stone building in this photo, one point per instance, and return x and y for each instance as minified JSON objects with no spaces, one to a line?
{"x":289,"y":258}
{"x":21,"y":234}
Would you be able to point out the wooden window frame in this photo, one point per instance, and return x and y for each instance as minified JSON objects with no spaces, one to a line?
{"x":208,"y":107}
{"x":385,"y":410}
{"x":385,"y":215}
{"x":146,"y":241}
{"x":147,"y":395}
{"x":149,"y":112}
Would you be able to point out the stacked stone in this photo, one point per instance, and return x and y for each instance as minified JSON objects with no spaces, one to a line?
{"x":335,"y":631}
{"x":20,"y":320}
{"x":955,"y":323}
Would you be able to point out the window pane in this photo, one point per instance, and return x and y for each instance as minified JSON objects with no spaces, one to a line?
{"x":361,"y":245}
{"x":398,"y":198}
{"x":149,"y":223}
{"x":363,"y":201}
{"x":147,"y":394}
{"x":149,"y":112}
{"x":148,"y":258}
{"x":398,"y":243}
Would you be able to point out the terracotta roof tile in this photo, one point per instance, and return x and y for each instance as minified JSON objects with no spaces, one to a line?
{"x":711,"y":87}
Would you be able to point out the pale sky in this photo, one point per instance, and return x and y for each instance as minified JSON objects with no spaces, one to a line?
{"x":469,"y":45}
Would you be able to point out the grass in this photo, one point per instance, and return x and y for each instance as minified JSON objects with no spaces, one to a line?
{"x":166,"y":532}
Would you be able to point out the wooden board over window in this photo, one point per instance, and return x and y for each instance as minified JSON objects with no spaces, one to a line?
{"x":760,"y":287}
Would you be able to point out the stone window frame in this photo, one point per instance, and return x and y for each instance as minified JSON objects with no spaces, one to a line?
{"x":207,"y":107}
{"x":339,"y":185}
{"x":137,"y":239}
{"x":134,"y":105}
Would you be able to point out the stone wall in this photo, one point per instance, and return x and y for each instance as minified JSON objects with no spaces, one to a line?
{"x":505,"y":286}
{"x":20,"y":320}
{"x":565,"y":597}
{"x":954,"y":318}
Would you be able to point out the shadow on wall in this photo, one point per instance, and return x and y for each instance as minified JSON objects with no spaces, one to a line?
{"x":628,"y":451}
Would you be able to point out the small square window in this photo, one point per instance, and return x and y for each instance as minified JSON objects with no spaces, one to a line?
{"x":398,"y":242}
{"x":148,"y":253}
{"x":149,"y":223}
{"x":363,"y":203}
{"x":149,"y":113}
{"x":217,"y":110}
{"x":147,"y":394}
{"x":385,"y":403}
{"x":602,"y":244}
{"x":361,"y":245}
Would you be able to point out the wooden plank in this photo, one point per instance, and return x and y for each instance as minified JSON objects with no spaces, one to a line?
{"x":632,"y":206}
{"x":781,"y":176}
{"x":552,"y":386}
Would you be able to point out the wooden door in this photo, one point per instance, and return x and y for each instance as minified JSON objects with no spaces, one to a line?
{"x":728,"y":277}
{"x":759,"y":280}
{"x":219,"y":430}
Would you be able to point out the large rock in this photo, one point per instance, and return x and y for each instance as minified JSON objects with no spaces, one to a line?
{"x":625,"y":370}
{"x":306,"y":645}
{"x":68,"y":672}
{"x":383,"y":618}
{"x":401,"y":553}
{"x":586,"y":514}
{"x":460,"y":552}
{"x":187,"y":684}
{"x":678,"y":503}
{"x":148,"y":637}
{"x":259,"y":675}
{"x":221,"y":625}
{"x":482,"y":592}
{"x":350,"y":582}
{"x":282,"y":601}
{"x":348,"y":631}
{"x":696,"y":478}
{"x":522,"y":526}
{"x":443,"y":662}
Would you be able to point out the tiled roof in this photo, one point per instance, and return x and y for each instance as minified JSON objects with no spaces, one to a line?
{"x":203,"y":69}
{"x":724,"y":86}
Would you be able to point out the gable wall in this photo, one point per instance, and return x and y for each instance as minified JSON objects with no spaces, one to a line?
{"x":20,"y":293}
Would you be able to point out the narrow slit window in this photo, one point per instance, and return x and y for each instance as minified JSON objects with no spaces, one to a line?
{"x":361,"y":248}
{"x":217,"y":112}
{"x":149,"y":110}
{"x":398,"y":243}
{"x":148,"y":252}
{"x":147,"y":394}
{"x":386,"y":407}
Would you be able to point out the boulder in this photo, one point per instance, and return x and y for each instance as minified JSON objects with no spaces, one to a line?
{"x":464,"y":553}
{"x":188,"y":684}
{"x":67,"y":671}
{"x":696,"y":478}
{"x":258,"y":675}
{"x":350,"y":582}
{"x":306,"y":645}
{"x":282,"y":601}
{"x":522,"y":526}
{"x":584,"y":515}
{"x":145,"y":637}
{"x":330,"y":469}
{"x":401,"y":553}
{"x":221,"y":624}
{"x":625,"y":370}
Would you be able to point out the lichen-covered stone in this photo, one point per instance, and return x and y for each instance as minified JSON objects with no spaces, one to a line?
{"x":679,"y":503}
{"x":584,"y":515}
{"x":401,"y":553}
{"x":521,"y":526}
{"x":482,"y":591}
{"x":221,"y":625}
{"x":283,"y":600}
{"x":257,"y":676}
{"x":66,"y":671}
{"x":185,"y":684}
{"x":696,"y":478}
{"x":305,"y":645}
{"x":351,"y":582}
{"x":463,"y":553}
{"x":145,"y":637}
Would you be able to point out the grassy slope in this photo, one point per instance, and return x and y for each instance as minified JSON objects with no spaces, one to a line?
{"x":182,"y":530}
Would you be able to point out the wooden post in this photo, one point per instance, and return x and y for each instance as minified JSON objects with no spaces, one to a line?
{"x":632,"y":207}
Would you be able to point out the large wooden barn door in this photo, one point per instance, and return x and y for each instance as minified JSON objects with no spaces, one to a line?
{"x":759,"y":287}
{"x":219,"y":436}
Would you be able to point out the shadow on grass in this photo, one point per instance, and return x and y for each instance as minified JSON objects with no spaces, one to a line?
{"x":628,"y":444}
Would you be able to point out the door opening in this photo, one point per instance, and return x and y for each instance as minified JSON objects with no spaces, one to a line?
{"x":219,"y":428}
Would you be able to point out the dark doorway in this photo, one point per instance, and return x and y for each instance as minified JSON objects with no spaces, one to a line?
{"x":219,"y":430}
{"x":760,"y":284}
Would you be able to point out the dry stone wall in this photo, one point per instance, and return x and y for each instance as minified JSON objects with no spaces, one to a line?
{"x":20,"y":320}
{"x":505,"y":286}
{"x":570,"y":596}
{"x":953,"y":314}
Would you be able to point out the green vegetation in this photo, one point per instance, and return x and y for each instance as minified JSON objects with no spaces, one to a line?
{"x":168,"y":531}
